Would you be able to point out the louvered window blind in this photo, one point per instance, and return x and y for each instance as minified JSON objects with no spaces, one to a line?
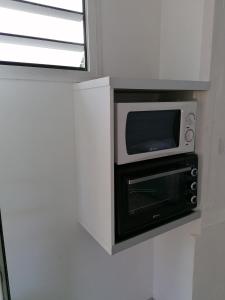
{"x":43,"y":33}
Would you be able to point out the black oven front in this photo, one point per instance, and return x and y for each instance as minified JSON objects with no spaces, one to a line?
{"x":154,"y":192}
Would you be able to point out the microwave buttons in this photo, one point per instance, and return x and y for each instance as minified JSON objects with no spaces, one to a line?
{"x":194,"y":186}
{"x":194,"y":172}
{"x":193,"y":200}
{"x":190,"y":119}
{"x":189,"y":135}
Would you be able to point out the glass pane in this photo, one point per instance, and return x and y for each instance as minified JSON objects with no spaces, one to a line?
{"x":41,"y":55}
{"x":75,"y":5}
{"x":148,"y":131}
{"x":153,"y":192}
{"x":41,"y":26}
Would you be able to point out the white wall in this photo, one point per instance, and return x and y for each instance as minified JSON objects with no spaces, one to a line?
{"x":206,"y":45}
{"x":174,"y":262}
{"x":49,"y":256}
{"x":209,"y":261}
{"x":181,"y":37}
{"x":186,"y":39}
{"x":36,"y":179}
{"x":209,"y":264}
{"x":167,"y":39}
{"x":130,"y":35}
{"x":212,"y":142}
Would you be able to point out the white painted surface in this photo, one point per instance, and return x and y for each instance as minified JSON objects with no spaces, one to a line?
{"x":209,"y":261}
{"x":207,"y":35}
{"x":144,"y":84}
{"x":156,"y":84}
{"x":49,"y":256}
{"x":209,"y":264}
{"x":94,"y":157}
{"x":174,"y":263}
{"x":212,"y":134}
{"x":130,"y":37}
{"x":167,"y":39}
{"x":37,"y":187}
{"x":181,"y":39}
{"x":126,"y":275}
{"x":203,"y":145}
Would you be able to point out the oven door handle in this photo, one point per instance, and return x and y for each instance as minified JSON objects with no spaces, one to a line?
{"x":159,"y":175}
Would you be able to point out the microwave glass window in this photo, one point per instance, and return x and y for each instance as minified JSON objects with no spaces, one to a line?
{"x":150,"y":192}
{"x":148,"y":131}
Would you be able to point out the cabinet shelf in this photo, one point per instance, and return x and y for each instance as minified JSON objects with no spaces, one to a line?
{"x":145,"y":84}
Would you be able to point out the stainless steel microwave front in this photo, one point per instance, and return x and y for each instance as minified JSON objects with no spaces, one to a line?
{"x":154,"y":129}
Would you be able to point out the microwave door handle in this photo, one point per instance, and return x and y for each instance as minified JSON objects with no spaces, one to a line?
{"x":159,"y":175}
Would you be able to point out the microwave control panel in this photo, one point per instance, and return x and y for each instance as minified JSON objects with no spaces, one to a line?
{"x":189,"y":134}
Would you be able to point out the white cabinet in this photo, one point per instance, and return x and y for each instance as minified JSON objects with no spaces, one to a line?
{"x":94,"y":138}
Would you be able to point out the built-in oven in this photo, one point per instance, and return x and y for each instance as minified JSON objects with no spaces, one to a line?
{"x":153,"y":129}
{"x":154,"y":192}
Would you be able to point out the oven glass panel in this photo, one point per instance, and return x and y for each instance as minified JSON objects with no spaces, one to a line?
{"x":153,"y":191}
{"x":148,"y":131}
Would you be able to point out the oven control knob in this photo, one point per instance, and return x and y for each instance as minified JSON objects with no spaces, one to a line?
{"x":194,"y":172}
{"x":189,"y":135}
{"x":190,"y":119}
{"x":194,"y":200}
{"x":194,"y":186}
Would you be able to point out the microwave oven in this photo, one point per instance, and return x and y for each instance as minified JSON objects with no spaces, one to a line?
{"x":153,"y":129}
{"x":152,"y":193}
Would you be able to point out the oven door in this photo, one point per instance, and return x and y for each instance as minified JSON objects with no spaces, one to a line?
{"x":146,"y":199}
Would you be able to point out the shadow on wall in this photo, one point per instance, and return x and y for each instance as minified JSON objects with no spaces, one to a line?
{"x":4,"y":282}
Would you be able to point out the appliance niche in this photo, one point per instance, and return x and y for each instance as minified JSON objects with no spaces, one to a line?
{"x":126,"y":183}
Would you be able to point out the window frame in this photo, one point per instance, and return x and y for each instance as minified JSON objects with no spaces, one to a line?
{"x":60,"y":67}
{"x":94,"y":50}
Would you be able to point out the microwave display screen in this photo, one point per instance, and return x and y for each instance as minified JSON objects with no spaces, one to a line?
{"x":154,"y":191}
{"x":148,"y":131}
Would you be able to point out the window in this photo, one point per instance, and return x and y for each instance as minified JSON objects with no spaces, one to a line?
{"x":43,"y":33}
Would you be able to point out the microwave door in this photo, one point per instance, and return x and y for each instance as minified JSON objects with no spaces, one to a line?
{"x":150,"y":131}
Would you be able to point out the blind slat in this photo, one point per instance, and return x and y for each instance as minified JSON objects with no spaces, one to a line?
{"x":40,"y":55}
{"x":36,"y":25}
{"x":69,"y":5}
{"x":32,"y":38}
